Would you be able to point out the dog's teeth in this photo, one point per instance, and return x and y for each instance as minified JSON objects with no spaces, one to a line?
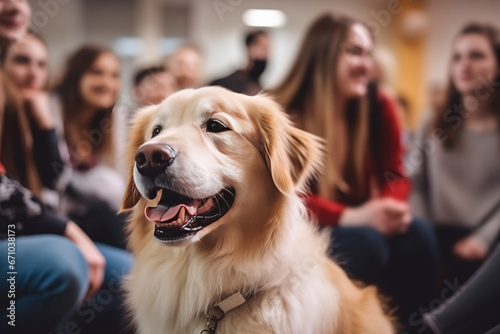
{"x":182,"y":214}
{"x":154,"y":202}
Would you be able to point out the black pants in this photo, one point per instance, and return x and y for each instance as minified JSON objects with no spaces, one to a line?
{"x":475,"y":309}
{"x":454,"y":269}
{"x":103,"y":224}
{"x":402,"y":266}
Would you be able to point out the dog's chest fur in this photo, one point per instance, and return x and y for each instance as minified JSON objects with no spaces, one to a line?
{"x":171,"y":288}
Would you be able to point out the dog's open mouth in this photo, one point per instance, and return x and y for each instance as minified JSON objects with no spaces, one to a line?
{"x":179,"y":217}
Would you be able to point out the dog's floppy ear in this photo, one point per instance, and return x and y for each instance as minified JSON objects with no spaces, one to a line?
{"x":292,"y":155}
{"x":137,"y":131}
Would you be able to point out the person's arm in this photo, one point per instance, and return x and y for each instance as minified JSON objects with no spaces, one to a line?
{"x":18,"y":205}
{"x":377,"y":213}
{"x":47,"y":156}
{"x":489,"y":232}
{"x":92,"y":255}
{"x":324,"y":211}
{"x":388,"y":156}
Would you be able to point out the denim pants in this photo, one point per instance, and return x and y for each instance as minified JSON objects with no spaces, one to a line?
{"x":52,"y":280}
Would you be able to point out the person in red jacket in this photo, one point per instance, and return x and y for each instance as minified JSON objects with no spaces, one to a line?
{"x":362,"y":194}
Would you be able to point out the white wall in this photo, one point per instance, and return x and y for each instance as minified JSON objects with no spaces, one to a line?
{"x":221,"y":39}
{"x":221,"y":36}
{"x":63,"y":29}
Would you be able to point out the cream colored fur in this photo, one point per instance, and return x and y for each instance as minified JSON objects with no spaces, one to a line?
{"x":265,"y":246}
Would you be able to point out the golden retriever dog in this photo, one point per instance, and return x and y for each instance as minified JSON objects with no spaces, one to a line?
{"x":222,"y":239}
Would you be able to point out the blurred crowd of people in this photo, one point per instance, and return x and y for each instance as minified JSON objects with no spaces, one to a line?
{"x":409,"y":228}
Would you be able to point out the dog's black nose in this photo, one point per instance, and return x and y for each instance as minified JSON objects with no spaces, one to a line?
{"x":152,"y":159}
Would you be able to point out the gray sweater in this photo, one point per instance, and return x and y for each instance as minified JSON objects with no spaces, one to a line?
{"x":458,"y":186}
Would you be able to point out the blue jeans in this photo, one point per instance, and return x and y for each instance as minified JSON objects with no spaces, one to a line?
{"x":402,"y":266}
{"x":51,"y":282}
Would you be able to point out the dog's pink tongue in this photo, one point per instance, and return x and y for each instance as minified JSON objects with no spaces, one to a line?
{"x":163,"y":213}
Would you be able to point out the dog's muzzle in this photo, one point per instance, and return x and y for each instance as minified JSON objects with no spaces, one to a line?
{"x":176,"y":216}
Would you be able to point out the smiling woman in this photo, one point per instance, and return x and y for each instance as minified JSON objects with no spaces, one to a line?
{"x":52,"y":264}
{"x":460,"y":174}
{"x":25,"y":64}
{"x":363,"y":192}
{"x":87,"y":94}
{"x":14,"y":20}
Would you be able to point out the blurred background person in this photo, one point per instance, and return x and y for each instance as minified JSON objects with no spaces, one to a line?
{"x":25,"y":63}
{"x":142,"y":32}
{"x":246,"y":80}
{"x":363,"y":191}
{"x":85,"y":98}
{"x":457,"y":182}
{"x":57,"y":265}
{"x":152,"y":85}
{"x":186,"y":65}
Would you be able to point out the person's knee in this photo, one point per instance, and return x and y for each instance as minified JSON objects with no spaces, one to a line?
{"x":362,"y":252}
{"x":375,"y":246}
{"x":419,"y":246}
{"x":423,"y":238}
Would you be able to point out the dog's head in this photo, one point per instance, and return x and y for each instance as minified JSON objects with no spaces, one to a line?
{"x":208,"y":158}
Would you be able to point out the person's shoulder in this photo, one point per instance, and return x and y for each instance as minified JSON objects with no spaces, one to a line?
{"x":387,"y":101}
{"x":223,"y":80}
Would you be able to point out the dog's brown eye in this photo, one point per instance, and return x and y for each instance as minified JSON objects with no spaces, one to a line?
{"x":157,"y":130}
{"x":214,"y":125}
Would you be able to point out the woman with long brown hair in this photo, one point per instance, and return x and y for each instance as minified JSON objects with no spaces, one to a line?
{"x":51,"y":262}
{"x":457,"y":177}
{"x":87,"y":93}
{"x":363,"y":190}
{"x":25,"y":64}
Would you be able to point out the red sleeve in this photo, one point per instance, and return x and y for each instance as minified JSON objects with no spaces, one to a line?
{"x":325,"y":211}
{"x":388,"y":158}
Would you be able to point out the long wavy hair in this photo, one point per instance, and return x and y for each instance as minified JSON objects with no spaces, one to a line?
{"x":71,"y":97}
{"x":449,"y":111}
{"x":307,"y":93}
{"x":16,"y":140}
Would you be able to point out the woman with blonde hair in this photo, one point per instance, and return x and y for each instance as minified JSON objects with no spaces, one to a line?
{"x":363,"y":191}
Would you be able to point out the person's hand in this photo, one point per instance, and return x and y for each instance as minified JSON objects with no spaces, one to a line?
{"x":38,"y":107}
{"x":92,"y":255}
{"x":386,"y":215}
{"x":470,"y":249}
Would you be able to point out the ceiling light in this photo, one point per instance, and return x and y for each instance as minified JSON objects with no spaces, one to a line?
{"x":264,"y":18}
